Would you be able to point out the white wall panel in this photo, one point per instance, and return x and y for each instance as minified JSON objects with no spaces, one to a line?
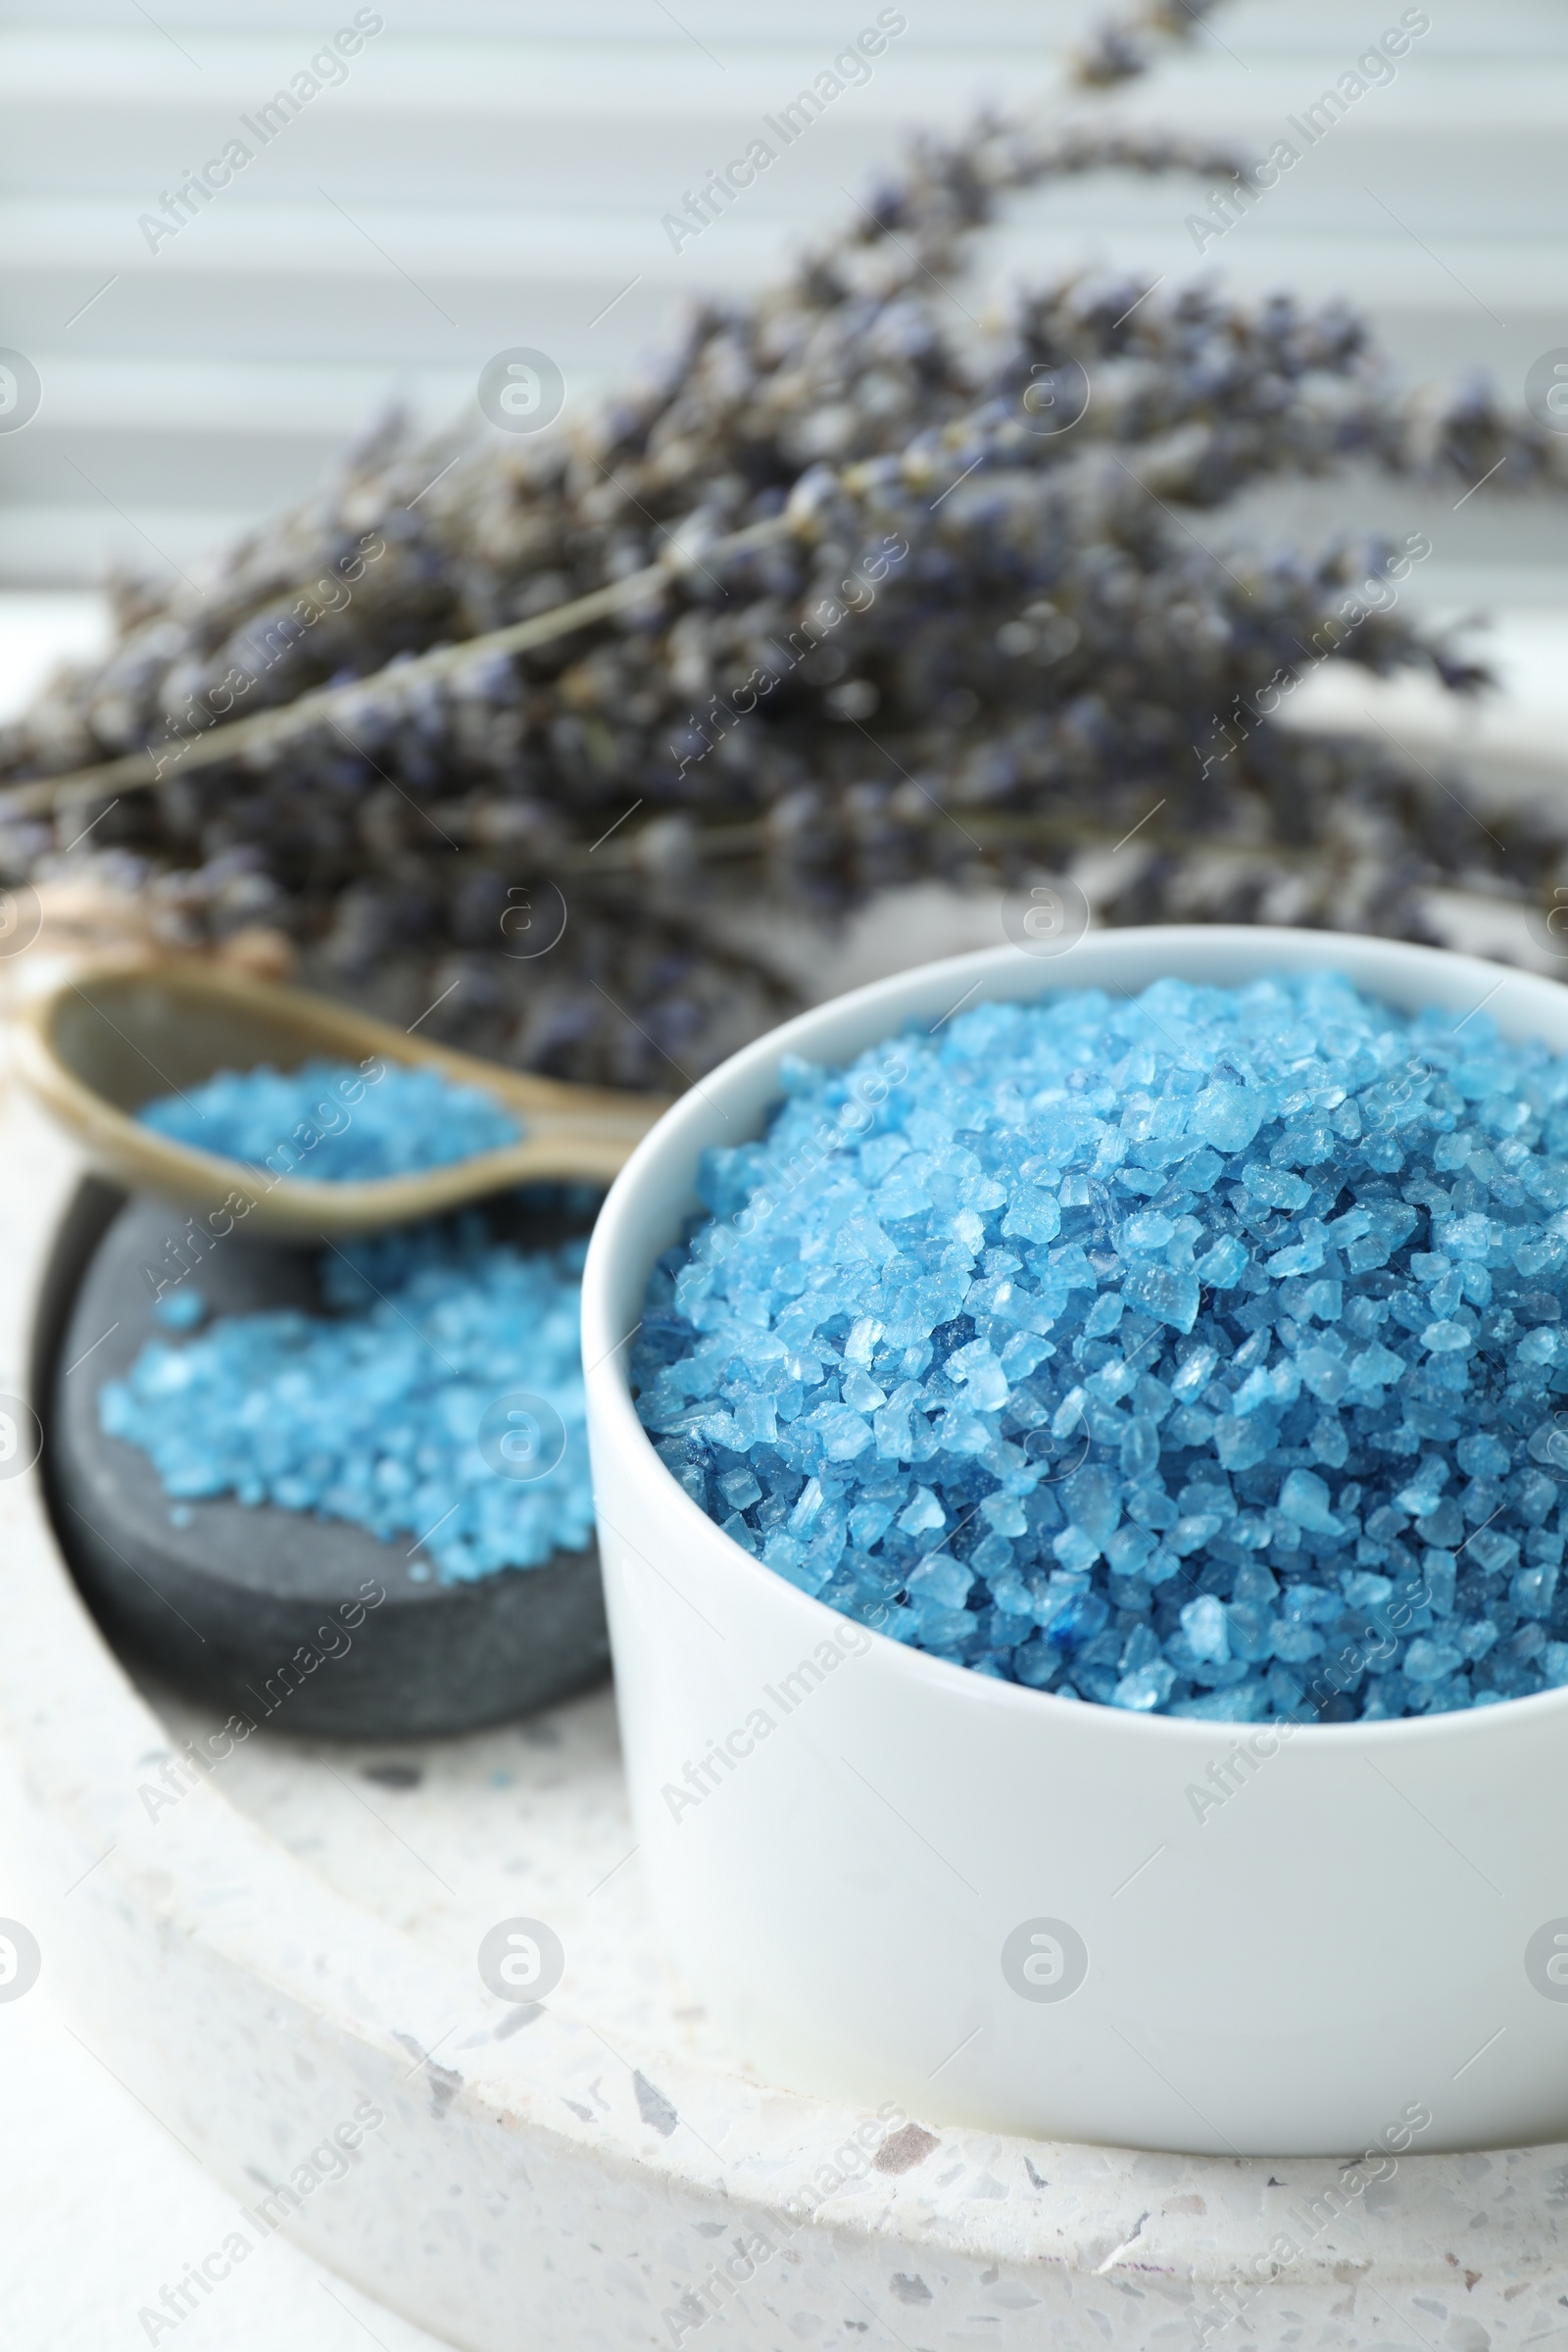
{"x":495,"y":172}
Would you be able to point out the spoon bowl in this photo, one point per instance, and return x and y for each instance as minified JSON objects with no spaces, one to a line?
{"x":113,"y":1036}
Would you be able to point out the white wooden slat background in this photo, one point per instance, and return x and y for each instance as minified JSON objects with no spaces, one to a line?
{"x":501,"y":169}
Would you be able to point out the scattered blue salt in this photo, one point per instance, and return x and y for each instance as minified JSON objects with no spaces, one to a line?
{"x":371,"y":1415}
{"x":334,"y":1122}
{"x":182,"y":1308}
{"x":1202,"y":1354}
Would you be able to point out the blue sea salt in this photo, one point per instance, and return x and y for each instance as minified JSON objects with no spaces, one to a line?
{"x":181,"y":1309}
{"x":1200,"y":1355}
{"x":334,"y":1122}
{"x":372,"y":1413}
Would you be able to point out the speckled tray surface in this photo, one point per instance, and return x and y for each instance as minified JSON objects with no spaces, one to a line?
{"x":296,"y":1933}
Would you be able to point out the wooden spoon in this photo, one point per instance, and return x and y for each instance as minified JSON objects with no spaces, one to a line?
{"x":116,"y":1035}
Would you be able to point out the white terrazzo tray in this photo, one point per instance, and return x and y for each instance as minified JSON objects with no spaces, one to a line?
{"x":296,"y":1935}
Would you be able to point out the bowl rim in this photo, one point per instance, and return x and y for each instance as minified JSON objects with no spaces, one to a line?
{"x":605,"y":1362}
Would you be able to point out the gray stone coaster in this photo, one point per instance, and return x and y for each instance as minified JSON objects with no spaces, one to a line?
{"x":273,"y":1613}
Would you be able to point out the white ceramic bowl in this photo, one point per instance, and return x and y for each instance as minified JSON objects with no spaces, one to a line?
{"x":1332,"y":1959}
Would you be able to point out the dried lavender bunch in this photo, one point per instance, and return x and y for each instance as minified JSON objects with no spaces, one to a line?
{"x":1126,"y":45}
{"x":852,"y":356}
{"x":1051,"y":643}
